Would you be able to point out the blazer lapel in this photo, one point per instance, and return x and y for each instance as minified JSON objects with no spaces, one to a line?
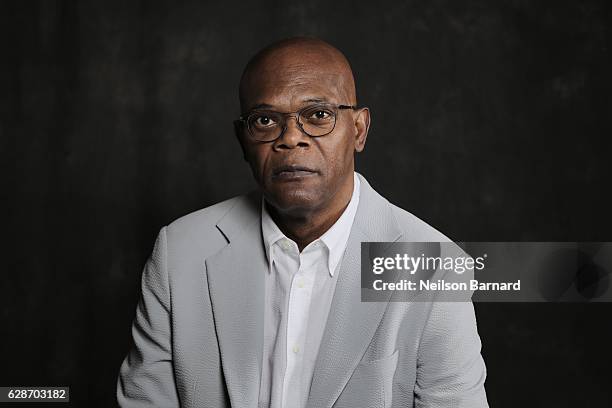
{"x":351,"y":323}
{"x":236,"y":285}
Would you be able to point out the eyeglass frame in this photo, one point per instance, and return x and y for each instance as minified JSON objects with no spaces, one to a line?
{"x":297,"y":114}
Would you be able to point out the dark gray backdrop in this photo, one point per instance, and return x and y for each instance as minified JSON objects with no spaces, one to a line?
{"x":491,"y":121}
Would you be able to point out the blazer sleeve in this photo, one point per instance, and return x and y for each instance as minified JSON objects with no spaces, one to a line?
{"x":450,"y":369}
{"x":146,"y":375}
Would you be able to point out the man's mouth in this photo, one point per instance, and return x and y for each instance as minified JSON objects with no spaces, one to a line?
{"x":293,"y":172}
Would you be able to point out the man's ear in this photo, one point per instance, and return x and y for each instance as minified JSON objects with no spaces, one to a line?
{"x":362,"y":125}
{"x":239,"y":133}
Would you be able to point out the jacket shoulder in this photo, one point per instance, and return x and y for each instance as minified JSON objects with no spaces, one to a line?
{"x":415,"y":229}
{"x":196,"y":232}
{"x":205,"y":217}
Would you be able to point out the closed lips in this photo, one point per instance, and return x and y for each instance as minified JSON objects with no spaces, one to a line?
{"x":293,"y":169}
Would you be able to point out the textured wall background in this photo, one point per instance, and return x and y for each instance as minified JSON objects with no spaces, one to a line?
{"x":491,"y":121}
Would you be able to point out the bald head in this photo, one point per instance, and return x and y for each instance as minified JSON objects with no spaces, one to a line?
{"x":292,"y":66}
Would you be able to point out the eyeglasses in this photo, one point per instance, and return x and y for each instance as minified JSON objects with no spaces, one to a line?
{"x":314,"y":120}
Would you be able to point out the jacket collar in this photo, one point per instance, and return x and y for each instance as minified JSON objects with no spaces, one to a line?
{"x":374,"y":216}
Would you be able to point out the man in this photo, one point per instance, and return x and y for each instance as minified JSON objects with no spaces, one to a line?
{"x":255,"y":301}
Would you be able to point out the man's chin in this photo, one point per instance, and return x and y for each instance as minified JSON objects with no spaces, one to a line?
{"x":295,"y":202}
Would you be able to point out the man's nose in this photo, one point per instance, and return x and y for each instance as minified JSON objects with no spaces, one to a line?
{"x":292,"y":136}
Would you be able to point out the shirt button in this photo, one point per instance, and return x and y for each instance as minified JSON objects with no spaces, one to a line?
{"x":300,"y":283}
{"x":296,"y":349}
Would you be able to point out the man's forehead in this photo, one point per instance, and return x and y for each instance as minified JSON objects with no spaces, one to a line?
{"x":292,"y":91}
{"x":296,"y":72}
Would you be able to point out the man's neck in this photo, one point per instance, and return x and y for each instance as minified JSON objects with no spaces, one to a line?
{"x":306,"y":227}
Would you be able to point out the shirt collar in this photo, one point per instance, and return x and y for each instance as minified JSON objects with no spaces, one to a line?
{"x":270,"y":231}
{"x":335,"y":238}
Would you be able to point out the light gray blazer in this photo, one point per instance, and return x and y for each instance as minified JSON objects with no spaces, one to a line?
{"x":198,"y":329}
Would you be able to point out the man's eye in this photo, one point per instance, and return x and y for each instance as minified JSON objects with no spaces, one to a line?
{"x":263,"y":121}
{"x":320,"y":115}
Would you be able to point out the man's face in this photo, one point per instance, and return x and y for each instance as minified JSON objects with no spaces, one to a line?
{"x":296,"y":172}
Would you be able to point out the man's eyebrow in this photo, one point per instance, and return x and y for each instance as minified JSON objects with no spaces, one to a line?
{"x":260,"y":106}
{"x":316,"y":100}
{"x":307,"y":100}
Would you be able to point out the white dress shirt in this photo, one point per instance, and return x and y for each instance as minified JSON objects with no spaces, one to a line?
{"x":299,"y":289}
